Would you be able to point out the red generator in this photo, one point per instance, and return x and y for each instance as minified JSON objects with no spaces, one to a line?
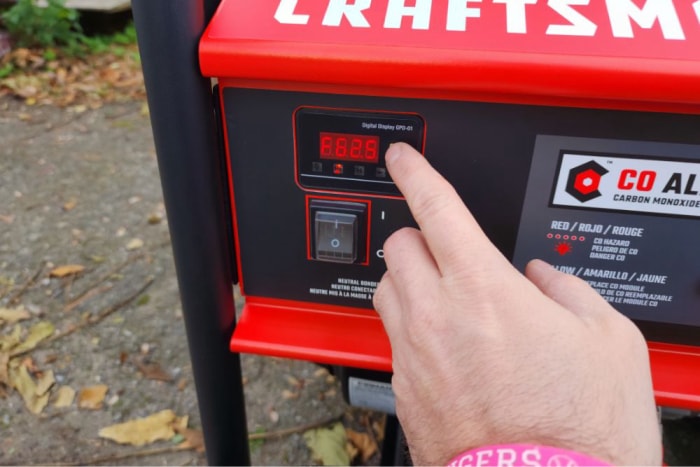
{"x":570,"y":128}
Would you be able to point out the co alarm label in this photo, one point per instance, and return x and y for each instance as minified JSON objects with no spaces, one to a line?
{"x":623,"y":183}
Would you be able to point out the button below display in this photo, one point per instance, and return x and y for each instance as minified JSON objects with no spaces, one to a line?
{"x":336,"y":237}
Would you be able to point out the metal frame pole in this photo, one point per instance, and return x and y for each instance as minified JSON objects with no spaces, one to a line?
{"x":184,"y":131}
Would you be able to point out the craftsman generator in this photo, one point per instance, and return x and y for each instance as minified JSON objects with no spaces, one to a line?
{"x":570,"y":128}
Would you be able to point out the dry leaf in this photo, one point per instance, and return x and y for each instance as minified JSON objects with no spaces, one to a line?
{"x":379,"y":427}
{"x":36,"y":334}
{"x":321,"y":373}
{"x":4,"y":362}
{"x":155,"y":218}
{"x":67,"y":270}
{"x":180,"y":423}
{"x":274,"y":416}
{"x":194,"y":439}
{"x":156,"y":427}
{"x":134,"y":244}
{"x":152,"y":370}
{"x":64,"y":397}
{"x":92,"y":397}
{"x":70,"y":204}
{"x":21,"y":380}
{"x":364,"y":442}
{"x":327,"y":445}
{"x":288,"y":395}
{"x":351,"y":450}
{"x":182,"y":384}
{"x":45,"y":382}
{"x":11,"y":340}
{"x":12,"y":315}
{"x":294,"y":382}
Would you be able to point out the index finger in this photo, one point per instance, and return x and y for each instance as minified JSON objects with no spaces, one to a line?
{"x":451,"y":232}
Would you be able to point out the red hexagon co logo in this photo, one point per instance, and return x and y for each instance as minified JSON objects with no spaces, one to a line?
{"x":584,"y":181}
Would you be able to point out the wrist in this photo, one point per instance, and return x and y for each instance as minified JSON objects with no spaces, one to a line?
{"x":523,"y":454}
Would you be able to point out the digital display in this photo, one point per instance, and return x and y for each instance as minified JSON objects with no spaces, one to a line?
{"x":349,"y":147}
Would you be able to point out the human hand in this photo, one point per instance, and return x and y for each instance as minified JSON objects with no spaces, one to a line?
{"x":483,"y":355}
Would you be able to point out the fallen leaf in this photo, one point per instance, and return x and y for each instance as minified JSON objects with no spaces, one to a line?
{"x":351,"y":450}
{"x":182,"y":384}
{"x":180,"y":423}
{"x":289,"y":395}
{"x":152,"y":370}
{"x":45,"y":383}
{"x":21,"y":380}
{"x":327,"y":445}
{"x":28,"y":363}
{"x":36,"y":334}
{"x":92,"y":397}
{"x":273,"y":415}
{"x":379,"y":428}
{"x":4,"y":361}
{"x":194,"y":439}
{"x":321,"y":373}
{"x":7,"y":219}
{"x":155,"y":218}
{"x":11,"y":340}
{"x":12,"y":315}
{"x":70,"y":204}
{"x":134,"y":244}
{"x":294,"y":382}
{"x":140,"y":431}
{"x":363,"y":442}
{"x":67,"y":270}
{"x":64,"y":397}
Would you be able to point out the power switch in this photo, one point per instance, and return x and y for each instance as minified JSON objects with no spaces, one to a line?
{"x":338,"y":231}
{"x":336,"y":237}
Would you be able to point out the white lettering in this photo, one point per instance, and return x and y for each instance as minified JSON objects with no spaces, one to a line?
{"x":696,"y":7}
{"x":578,"y":25}
{"x":483,"y":457}
{"x":506,"y":457}
{"x":457,"y":13}
{"x":531,"y":457}
{"x":397,"y":9}
{"x":516,"y":22}
{"x":337,"y":9}
{"x":285,"y":13}
{"x":622,"y":12}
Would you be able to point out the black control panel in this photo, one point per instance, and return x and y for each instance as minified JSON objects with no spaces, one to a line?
{"x":314,"y":203}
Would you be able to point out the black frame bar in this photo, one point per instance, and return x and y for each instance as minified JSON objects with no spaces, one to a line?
{"x":185,"y":134}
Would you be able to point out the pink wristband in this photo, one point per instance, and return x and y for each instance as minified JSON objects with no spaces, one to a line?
{"x":522,"y":454}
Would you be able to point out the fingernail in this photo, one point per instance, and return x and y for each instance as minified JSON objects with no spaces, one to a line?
{"x":393,"y":153}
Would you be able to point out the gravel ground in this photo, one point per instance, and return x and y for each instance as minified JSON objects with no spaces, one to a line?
{"x":83,"y":188}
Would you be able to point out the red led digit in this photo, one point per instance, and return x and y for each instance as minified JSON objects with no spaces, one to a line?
{"x":343,"y":146}
{"x":356,"y":147}
{"x":371,"y":154}
{"x":326,"y":144}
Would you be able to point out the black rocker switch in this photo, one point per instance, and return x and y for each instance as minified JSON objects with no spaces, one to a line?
{"x":338,"y":230}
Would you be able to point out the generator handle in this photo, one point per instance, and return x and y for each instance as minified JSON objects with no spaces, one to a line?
{"x":184,"y":131}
